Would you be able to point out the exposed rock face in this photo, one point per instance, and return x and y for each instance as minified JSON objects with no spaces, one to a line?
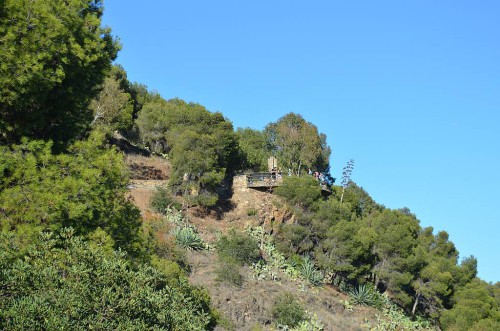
{"x":255,"y":206}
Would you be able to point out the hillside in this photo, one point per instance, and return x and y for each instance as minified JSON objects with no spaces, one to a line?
{"x":249,"y":307}
{"x":123,"y":210}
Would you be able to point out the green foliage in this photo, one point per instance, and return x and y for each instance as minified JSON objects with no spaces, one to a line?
{"x":287,"y":310}
{"x":252,"y":212}
{"x":229,"y":272}
{"x":297,"y":144}
{"x":162,"y":200}
{"x":234,"y":250}
{"x":394,"y":318}
{"x":203,"y":147}
{"x":394,"y":239}
{"x":254,"y":147}
{"x":65,"y":283}
{"x":310,"y":272}
{"x":54,"y":55}
{"x":238,"y":247}
{"x":475,"y":309}
{"x":312,"y":323}
{"x":300,"y":191}
{"x":163,"y":245}
{"x":187,"y":237}
{"x":363,"y":295}
{"x":168,"y":268}
{"x":329,"y":213}
{"x":205,"y":199}
{"x":275,"y":260}
{"x":344,"y":249}
{"x":295,"y":238}
{"x":360,"y":201}
{"x":85,"y":190}
{"x":113,"y":106}
{"x":359,"y":240}
{"x":223,"y":322}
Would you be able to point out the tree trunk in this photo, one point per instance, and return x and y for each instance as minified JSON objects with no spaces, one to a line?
{"x":415,"y":305}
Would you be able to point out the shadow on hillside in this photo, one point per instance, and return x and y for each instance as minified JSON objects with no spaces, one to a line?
{"x":225,"y":204}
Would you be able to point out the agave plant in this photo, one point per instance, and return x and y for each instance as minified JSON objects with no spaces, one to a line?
{"x":363,"y":295}
{"x":187,"y":237}
{"x":310,"y":272}
{"x":175,"y":216}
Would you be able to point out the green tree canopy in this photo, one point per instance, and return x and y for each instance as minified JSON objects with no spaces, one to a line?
{"x":84,"y":190}
{"x":300,"y":191}
{"x":202,"y":146}
{"x":474,"y":309}
{"x":113,"y":106}
{"x":395,"y":238}
{"x":54,"y":55}
{"x":298,"y":144}
{"x":254,"y":147}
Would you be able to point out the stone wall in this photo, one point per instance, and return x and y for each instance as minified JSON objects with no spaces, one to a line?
{"x":247,"y":201}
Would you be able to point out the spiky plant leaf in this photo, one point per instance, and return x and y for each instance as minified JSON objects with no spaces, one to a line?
{"x":187,"y":237}
{"x":310,"y":272}
{"x":363,"y":295}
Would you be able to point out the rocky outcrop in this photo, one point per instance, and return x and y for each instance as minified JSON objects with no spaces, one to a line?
{"x":256,"y":206}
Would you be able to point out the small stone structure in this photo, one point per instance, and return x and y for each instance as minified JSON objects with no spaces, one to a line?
{"x":272,"y":163}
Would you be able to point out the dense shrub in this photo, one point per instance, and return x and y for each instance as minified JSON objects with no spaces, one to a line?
{"x":287,"y":310}
{"x":65,"y":283}
{"x":162,"y":200}
{"x":229,"y":272}
{"x":300,"y":191}
{"x":238,"y":247}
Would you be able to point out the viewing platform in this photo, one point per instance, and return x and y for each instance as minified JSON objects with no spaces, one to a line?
{"x":264,"y":179}
{"x":268,"y":180}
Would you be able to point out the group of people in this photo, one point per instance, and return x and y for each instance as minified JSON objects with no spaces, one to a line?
{"x":320,"y":177}
{"x":277,"y":174}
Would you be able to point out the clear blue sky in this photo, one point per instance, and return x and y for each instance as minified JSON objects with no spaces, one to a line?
{"x":409,"y":89}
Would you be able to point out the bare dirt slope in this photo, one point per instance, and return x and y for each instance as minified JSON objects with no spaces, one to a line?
{"x":146,"y":173}
{"x":250,"y":306}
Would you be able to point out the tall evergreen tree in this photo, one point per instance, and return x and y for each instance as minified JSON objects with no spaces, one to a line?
{"x":54,"y":54}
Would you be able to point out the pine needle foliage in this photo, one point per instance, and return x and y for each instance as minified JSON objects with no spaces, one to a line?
{"x":65,"y":283}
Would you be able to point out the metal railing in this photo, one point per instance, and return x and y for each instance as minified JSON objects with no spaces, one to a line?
{"x":264,"y":179}
{"x":270,"y":180}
